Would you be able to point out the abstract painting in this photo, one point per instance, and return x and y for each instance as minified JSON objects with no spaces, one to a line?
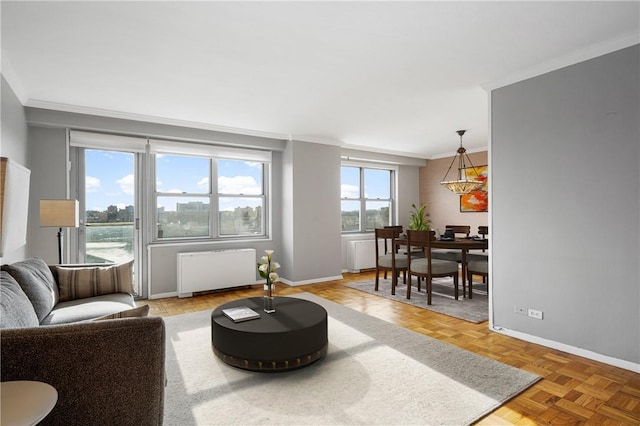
{"x":476,"y":201}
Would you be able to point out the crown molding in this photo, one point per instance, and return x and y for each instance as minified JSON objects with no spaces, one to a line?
{"x":35,"y":103}
{"x":454,"y":153}
{"x":580,"y":55}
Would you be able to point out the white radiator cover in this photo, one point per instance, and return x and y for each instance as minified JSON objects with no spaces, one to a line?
{"x":361,"y":254}
{"x":213,"y":270}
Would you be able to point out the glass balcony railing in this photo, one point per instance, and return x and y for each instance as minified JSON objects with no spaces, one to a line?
{"x":109,"y":242}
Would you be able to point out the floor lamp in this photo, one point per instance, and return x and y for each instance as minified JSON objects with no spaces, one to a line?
{"x":59,"y":214}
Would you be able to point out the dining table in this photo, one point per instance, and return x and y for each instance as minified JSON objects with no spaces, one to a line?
{"x":463,"y":244}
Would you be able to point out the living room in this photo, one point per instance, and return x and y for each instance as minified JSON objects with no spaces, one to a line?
{"x":564,"y":199}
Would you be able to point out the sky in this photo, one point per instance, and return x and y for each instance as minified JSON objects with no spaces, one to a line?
{"x":377,"y":183}
{"x":109,"y":178}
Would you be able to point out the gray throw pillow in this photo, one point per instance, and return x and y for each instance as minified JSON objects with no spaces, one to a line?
{"x":37,"y":282}
{"x":16,"y":310}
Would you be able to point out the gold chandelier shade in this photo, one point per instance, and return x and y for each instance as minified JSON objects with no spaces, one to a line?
{"x":463,"y":186}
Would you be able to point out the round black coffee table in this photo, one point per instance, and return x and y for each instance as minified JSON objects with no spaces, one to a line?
{"x":292,"y":337}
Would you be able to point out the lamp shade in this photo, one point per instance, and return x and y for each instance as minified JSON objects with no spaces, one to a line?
{"x":463,"y":186}
{"x":60,"y":213}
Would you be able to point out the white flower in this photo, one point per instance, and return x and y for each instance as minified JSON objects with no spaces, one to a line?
{"x":267,"y":268}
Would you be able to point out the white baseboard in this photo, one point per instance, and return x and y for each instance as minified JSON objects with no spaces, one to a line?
{"x":313,"y":281}
{"x":627,"y":365}
{"x":260,"y":282}
{"x":163,"y":295}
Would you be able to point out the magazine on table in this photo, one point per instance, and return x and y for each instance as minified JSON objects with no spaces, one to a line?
{"x":241,"y":313}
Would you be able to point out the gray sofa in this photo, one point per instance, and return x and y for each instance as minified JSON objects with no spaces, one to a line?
{"x":106,"y":371}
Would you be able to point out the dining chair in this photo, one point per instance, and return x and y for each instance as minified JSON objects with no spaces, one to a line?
{"x":427,"y":267}
{"x":483,"y":231}
{"x":446,"y":254}
{"x":482,"y":265}
{"x":389,"y":259}
{"x":405,"y":249}
{"x":477,"y":267}
{"x":400,"y":248}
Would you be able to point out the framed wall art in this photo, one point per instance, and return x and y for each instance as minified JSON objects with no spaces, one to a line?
{"x":476,"y":201}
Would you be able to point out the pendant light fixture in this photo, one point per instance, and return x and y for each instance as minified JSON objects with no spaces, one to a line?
{"x":462,"y":185}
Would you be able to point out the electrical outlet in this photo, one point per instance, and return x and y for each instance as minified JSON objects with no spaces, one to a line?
{"x":519,"y":310}
{"x":535,"y":314}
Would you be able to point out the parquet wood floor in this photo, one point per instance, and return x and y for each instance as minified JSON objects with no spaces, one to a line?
{"x":573,"y":391}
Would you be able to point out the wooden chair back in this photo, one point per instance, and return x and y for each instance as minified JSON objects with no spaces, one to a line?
{"x":424,"y":238}
{"x":459,"y":229}
{"x":483,"y":231}
{"x":421,"y":239}
{"x":398,"y":261}
{"x":388,"y":235}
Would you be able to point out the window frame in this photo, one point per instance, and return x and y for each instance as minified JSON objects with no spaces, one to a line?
{"x":213,"y":196}
{"x":262,"y":197}
{"x":362,"y":199}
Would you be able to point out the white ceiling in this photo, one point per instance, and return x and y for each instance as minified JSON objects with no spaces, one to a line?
{"x":398,"y":77}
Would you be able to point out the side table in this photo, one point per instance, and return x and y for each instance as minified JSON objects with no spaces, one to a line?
{"x":26,"y":402}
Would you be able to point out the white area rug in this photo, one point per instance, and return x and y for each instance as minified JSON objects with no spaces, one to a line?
{"x":374,"y":373}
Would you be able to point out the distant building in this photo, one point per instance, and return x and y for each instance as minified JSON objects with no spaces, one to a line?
{"x":192,"y":206}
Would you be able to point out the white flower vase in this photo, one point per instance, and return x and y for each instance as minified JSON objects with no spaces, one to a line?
{"x":268,"y":298}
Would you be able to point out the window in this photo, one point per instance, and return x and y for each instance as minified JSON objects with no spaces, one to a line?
{"x":367,"y":198}
{"x":205,"y":196}
{"x":240,"y":198}
{"x":183,"y":196}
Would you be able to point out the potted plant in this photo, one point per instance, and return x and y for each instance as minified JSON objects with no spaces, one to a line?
{"x":419,"y":219}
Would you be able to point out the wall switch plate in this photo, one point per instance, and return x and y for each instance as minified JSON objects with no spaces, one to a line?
{"x":535,"y":314}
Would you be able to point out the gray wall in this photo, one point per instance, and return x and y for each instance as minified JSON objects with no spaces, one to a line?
{"x":305,"y":197}
{"x":565,"y":213}
{"x":407,"y":192}
{"x":47,"y":157}
{"x":311,"y":219}
{"x":13,"y":145}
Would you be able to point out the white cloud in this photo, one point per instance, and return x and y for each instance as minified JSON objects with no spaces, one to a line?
{"x":350,"y":191}
{"x":92,"y":184}
{"x":127,"y":184}
{"x":238,"y":185}
{"x":203,"y":183}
